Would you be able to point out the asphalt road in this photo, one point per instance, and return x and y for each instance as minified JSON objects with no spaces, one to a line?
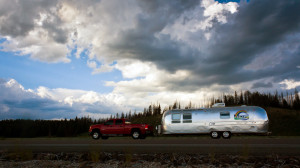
{"x":235,"y":145}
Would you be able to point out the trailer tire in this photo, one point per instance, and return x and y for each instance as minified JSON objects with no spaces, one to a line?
{"x":136,"y":134}
{"x":96,"y":134}
{"x":226,"y":134}
{"x":215,"y":135}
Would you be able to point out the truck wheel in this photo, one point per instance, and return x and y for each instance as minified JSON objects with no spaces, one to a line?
{"x":226,"y":135}
{"x":95,"y":134}
{"x":215,"y":135}
{"x":135,"y":134}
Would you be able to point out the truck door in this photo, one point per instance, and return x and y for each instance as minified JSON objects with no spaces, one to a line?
{"x":119,"y":127}
{"x":107,"y":127}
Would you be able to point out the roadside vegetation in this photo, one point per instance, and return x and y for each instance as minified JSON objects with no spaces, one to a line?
{"x":283,"y":111}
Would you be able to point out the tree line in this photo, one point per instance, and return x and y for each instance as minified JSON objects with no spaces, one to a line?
{"x":150,"y":115}
{"x":282,"y":100}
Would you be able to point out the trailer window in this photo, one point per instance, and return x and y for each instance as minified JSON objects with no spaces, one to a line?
{"x":187,"y":117}
{"x":225,"y":115}
{"x":176,"y":118}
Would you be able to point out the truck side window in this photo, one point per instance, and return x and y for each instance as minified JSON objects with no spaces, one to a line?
{"x":109,"y":122}
{"x":176,"y":118}
{"x":187,"y":117}
{"x":119,"y":122}
{"x":225,"y":115}
{"x":127,"y":122}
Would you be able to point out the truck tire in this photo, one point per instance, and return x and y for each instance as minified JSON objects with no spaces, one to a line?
{"x":215,"y":135}
{"x":135,"y":134}
{"x":226,"y":134}
{"x":96,"y":134}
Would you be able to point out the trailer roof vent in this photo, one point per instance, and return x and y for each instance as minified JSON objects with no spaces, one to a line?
{"x":219,"y":105}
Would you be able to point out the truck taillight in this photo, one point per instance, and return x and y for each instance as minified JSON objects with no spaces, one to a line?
{"x":146,"y":126}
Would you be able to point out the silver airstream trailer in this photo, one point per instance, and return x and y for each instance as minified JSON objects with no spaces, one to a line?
{"x":217,"y":121}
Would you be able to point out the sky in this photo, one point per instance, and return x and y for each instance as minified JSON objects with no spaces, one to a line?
{"x":67,"y":58}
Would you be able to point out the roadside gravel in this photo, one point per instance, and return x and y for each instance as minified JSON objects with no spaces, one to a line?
{"x":105,"y":159}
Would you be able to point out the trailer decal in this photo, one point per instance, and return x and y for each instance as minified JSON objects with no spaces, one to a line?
{"x":241,"y":115}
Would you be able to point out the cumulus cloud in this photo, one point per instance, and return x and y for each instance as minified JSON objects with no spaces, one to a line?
{"x":160,"y":46}
{"x":44,"y":103}
{"x":134,"y":69}
{"x":241,"y":47}
{"x":34,"y":28}
{"x":101,"y":69}
{"x":290,"y":84}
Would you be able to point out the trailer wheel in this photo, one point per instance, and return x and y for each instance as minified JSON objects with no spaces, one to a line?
{"x":135,"y":134}
{"x":215,"y":135}
{"x":226,"y":134}
{"x":96,"y":134}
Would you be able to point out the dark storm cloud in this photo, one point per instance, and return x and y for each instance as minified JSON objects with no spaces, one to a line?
{"x":141,"y":43}
{"x":18,"y":18}
{"x":262,"y":85}
{"x":257,"y":27}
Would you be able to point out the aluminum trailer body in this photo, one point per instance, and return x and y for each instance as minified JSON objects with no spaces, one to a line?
{"x":219,"y":120}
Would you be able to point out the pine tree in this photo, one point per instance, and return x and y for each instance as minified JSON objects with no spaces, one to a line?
{"x":175,"y":105}
{"x":225,"y":99}
{"x":235,"y":98}
{"x":296,"y":103}
{"x":129,"y":114}
{"x":159,"y":109}
{"x":189,"y":106}
{"x":149,"y":113}
{"x":241,"y":102}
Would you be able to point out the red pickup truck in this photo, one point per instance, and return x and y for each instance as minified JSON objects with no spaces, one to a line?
{"x":120,"y":127}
